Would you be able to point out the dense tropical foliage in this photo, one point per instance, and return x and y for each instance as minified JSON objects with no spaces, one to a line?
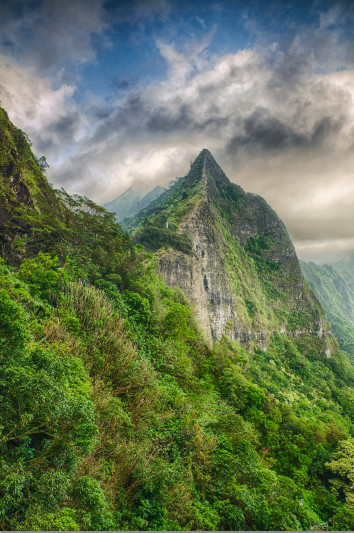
{"x":116,"y":415}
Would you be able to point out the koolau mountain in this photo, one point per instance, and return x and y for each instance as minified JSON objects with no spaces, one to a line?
{"x":233,"y":258}
{"x":122,"y":407}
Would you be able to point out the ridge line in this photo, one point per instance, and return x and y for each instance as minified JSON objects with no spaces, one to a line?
{"x":204,"y":176}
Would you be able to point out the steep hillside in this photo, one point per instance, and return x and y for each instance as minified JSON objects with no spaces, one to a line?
{"x":116,"y":415}
{"x":24,"y":189}
{"x":133,"y":200}
{"x":336,"y":294}
{"x":232,"y":257}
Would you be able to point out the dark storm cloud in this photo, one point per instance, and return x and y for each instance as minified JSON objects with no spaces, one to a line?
{"x":137,"y":118}
{"x":127,"y":119}
{"x":278,"y":116}
{"x":264,"y":132}
{"x":181,"y":119}
{"x":100,"y":112}
{"x":165,"y":121}
{"x":59,"y":132}
{"x":65,"y":126}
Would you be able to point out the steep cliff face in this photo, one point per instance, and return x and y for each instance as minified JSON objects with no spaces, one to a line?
{"x":232,"y":257}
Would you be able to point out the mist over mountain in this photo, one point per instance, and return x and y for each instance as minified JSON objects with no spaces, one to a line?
{"x":133,"y":200}
{"x":334,"y":287}
{"x":346,"y":263}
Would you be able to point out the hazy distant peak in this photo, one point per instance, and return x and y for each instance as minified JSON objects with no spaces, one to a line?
{"x":346,"y":263}
{"x":131,"y":201}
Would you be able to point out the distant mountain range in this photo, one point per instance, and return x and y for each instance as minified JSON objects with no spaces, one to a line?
{"x":334,"y":287}
{"x":132,"y":201}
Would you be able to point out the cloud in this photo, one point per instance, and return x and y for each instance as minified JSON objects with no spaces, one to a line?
{"x":286,"y":142}
{"x":279,"y":117}
{"x":49,"y":116}
{"x":52,"y":33}
{"x":268,"y":133}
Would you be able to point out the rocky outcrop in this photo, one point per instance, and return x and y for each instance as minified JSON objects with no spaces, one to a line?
{"x":185,"y":271}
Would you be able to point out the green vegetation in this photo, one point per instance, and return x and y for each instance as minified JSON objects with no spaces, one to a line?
{"x":170,"y":208}
{"x":253,"y":261}
{"x":158,"y":228}
{"x":256,"y":245}
{"x":115,"y":414}
{"x":155,"y":234}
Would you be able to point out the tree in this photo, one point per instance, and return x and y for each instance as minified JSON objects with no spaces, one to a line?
{"x":42,"y":163}
{"x":343,"y":466}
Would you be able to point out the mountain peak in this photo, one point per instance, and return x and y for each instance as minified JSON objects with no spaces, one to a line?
{"x":133,"y":200}
{"x":205,"y":168}
{"x":206,"y":154}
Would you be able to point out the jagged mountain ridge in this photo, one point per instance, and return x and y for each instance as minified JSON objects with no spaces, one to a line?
{"x":232,"y":257}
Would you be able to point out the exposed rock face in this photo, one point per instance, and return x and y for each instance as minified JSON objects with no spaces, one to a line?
{"x":185,"y":271}
{"x":242,"y":275}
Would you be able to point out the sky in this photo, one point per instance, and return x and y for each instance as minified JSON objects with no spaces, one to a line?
{"x":115,"y":93}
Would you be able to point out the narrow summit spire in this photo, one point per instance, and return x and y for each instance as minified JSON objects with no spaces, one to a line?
{"x":205,"y":168}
